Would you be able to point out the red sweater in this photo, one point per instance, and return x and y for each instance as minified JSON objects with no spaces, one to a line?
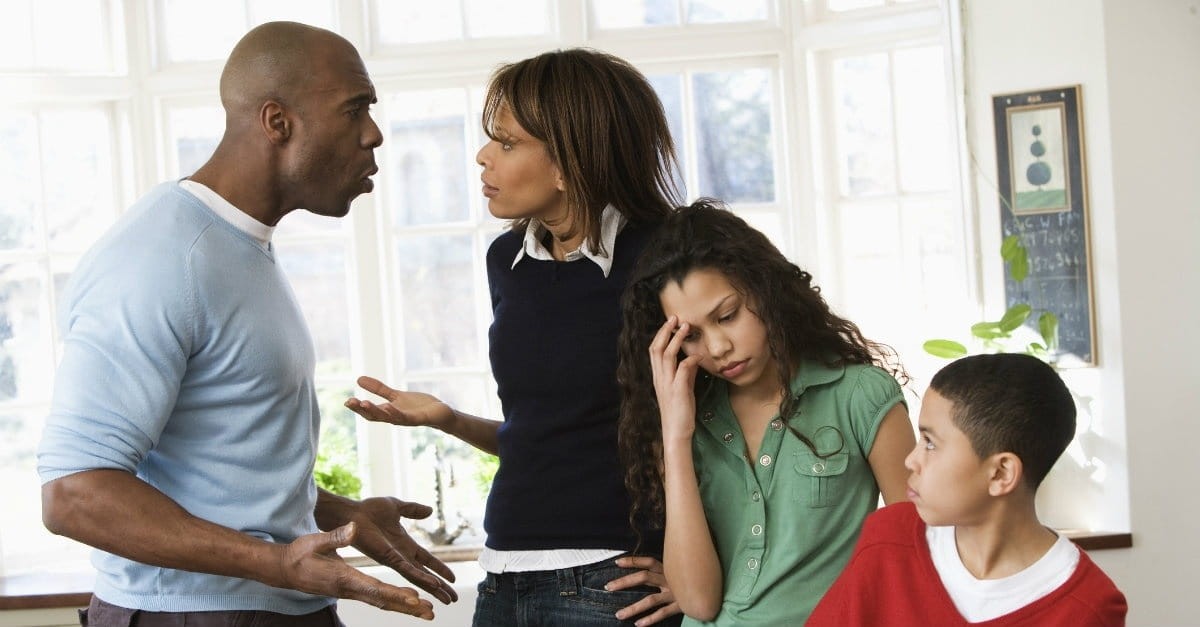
{"x":891,"y":580}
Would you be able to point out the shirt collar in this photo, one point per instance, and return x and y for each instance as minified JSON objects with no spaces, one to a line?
{"x":611,"y":223}
{"x":808,"y":374}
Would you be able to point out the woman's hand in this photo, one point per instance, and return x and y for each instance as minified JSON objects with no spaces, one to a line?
{"x":651,"y":574}
{"x":674,"y":380}
{"x":407,"y":409}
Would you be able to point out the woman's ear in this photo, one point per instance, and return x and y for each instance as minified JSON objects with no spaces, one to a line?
{"x":560,"y":182}
{"x":1006,"y":473}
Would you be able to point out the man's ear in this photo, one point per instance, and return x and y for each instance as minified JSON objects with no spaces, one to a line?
{"x":276,"y":124}
{"x":1005,"y":473}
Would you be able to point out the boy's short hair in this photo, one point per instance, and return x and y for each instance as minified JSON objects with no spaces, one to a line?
{"x":1010,"y":402}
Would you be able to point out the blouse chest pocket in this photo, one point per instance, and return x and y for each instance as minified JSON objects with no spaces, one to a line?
{"x":820,"y":478}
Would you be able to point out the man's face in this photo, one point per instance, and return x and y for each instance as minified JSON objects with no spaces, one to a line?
{"x":331,"y":154}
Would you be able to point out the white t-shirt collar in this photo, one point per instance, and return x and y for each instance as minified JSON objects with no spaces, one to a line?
{"x":226,"y":211}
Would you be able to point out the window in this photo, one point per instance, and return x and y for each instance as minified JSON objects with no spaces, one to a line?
{"x":827,"y":124}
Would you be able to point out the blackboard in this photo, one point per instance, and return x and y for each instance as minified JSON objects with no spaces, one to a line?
{"x":1043,"y":200}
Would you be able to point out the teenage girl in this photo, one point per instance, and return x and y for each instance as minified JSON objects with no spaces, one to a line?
{"x":761,"y":425}
{"x":581,"y":161}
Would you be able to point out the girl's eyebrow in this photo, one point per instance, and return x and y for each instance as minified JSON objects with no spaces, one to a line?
{"x":720,"y":304}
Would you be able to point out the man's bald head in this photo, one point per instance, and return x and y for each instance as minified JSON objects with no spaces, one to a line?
{"x":273,"y":61}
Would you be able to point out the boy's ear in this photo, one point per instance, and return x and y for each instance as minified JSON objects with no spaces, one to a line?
{"x":1006,"y":473}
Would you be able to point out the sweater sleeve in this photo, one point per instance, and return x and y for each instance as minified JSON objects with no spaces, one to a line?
{"x":127,"y":336}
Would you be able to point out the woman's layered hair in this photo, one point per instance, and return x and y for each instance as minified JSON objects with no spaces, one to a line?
{"x":603,"y":126}
{"x":800,"y":326}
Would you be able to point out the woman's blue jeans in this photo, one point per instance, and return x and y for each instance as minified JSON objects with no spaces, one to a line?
{"x":569,"y":597}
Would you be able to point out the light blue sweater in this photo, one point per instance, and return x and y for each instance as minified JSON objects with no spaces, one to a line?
{"x":187,"y":361}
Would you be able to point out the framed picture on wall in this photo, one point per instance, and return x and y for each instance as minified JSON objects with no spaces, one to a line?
{"x":1042,"y":182}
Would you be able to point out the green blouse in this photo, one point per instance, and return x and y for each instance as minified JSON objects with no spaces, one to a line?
{"x":785,"y":521}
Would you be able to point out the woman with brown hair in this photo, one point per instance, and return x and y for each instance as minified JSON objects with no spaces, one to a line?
{"x":581,"y":160}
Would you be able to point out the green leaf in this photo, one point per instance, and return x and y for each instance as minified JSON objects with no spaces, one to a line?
{"x":987,"y":330}
{"x":1010,"y":246}
{"x":946,"y":349}
{"x":1019,"y":265}
{"x":1048,"y":327}
{"x":1015,"y":317}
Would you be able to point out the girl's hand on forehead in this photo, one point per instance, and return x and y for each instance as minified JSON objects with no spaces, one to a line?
{"x":674,"y":379}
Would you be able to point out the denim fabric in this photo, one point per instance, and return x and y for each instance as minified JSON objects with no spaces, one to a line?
{"x":102,"y":614}
{"x":569,"y":597}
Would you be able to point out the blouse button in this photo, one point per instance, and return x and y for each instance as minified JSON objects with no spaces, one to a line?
{"x":777,"y":424}
{"x":754,"y":496}
{"x":752,"y":563}
{"x":765,"y":460}
{"x":708,"y":416}
{"x":756,"y":530}
{"x":818,"y":468}
{"x":728,"y":437}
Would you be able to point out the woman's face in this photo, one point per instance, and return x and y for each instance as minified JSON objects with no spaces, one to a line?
{"x":519,"y":178}
{"x":730,"y":339}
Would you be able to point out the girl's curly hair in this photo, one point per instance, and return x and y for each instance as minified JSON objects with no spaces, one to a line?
{"x":800,"y":327}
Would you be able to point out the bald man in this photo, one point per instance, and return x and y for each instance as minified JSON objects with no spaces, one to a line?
{"x":182,"y":433}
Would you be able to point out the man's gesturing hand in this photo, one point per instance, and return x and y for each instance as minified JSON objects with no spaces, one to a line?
{"x":311,"y":564}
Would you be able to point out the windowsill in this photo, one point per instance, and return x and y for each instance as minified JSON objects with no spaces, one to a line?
{"x":55,"y":590}
{"x":43,"y":591}
{"x":1099,"y":540}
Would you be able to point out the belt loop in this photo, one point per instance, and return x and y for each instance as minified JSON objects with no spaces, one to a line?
{"x":568,"y":581}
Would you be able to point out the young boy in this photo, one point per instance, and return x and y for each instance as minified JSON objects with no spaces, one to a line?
{"x":968,"y":548}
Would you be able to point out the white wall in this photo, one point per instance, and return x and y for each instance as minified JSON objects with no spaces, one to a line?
{"x":1139,"y":67}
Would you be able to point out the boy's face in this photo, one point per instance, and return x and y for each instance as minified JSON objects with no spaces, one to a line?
{"x":949,"y":482}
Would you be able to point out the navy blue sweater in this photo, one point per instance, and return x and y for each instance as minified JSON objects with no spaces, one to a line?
{"x":554,"y":355}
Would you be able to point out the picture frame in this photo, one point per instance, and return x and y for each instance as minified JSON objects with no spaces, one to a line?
{"x":1042,"y":184}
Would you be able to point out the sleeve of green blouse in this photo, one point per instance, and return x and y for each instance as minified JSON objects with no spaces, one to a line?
{"x":876,"y":393}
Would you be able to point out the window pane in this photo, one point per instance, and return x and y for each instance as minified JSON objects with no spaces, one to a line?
{"x":715,"y":11}
{"x":20,"y":178}
{"x":608,"y":14}
{"x":415,"y":21}
{"x":937,"y":239}
{"x":71,"y":35}
{"x":427,"y":156}
{"x":312,"y":12}
{"x":863,"y":115}
{"x":922,"y":121}
{"x":437,"y":292}
{"x":28,"y":547}
{"x":78,"y":170}
{"x":317,"y":273}
{"x":194,"y":134}
{"x":733,"y":135}
{"x":511,"y":18}
{"x":463,"y":471}
{"x":669,"y":88}
{"x":201,"y":31}
{"x":337,"y":456}
{"x":26,"y":357}
{"x":16,"y":36}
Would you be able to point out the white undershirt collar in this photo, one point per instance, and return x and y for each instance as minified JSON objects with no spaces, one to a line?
{"x":231,"y":214}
